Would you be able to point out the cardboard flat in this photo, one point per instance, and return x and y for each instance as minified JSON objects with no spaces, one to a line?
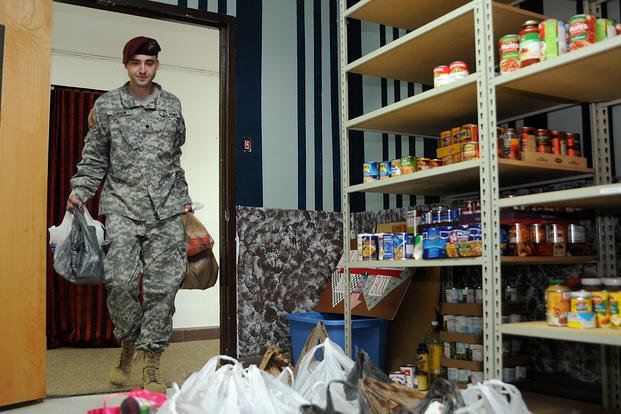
{"x":393,"y":227}
{"x":554,"y":160}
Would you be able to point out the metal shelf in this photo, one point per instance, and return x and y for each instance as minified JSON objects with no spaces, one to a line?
{"x":463,"y":178}
{"x":426,"y":113}
{"x":594,"y":197}
{"x":454,"y":31}
{"x":538,"y":260}
{"x":540,"y":329}
{"x":405,"y":14}
{"x":387,"y":264}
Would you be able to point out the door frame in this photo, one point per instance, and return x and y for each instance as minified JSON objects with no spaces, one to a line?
{"x":227,"y":156}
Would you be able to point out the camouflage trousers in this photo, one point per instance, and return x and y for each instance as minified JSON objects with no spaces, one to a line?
{"x":157,"y":252}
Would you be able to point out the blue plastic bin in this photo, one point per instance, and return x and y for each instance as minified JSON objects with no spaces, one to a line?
{"x":367,"y":333}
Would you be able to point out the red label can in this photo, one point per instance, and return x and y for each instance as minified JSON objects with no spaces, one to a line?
{"x":441,"y":75}
{"x":458,"y":70}
{"x":509,"y":48}
{"x":581,"y":31}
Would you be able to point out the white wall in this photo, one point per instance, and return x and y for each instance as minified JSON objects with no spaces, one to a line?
{"x":87,"y":46}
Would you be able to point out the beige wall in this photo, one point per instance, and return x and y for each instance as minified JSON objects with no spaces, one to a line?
{"x":189,"y":68}
{"x":23,"y":172}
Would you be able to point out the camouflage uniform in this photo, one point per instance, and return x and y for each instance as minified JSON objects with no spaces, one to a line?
{"x":137,"y":149}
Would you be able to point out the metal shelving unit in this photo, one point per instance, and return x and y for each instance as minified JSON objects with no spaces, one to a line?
{"x":469,"y":30}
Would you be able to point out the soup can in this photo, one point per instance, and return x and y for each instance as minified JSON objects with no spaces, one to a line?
{"x":370,"y":172}
{"x":397,"y":377}
{"x":423,"y":164}
{"x":581,"y":31}
{"x":604,"y":28}
{"x":509,"y":48}
{"x":553,"y":38}
{"x":441,"y":75}
{"x":458,"y":70}
{"x":410,"y":374}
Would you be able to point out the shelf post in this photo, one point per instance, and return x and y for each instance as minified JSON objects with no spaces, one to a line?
{"x":602,"y":164}
{"x":345,"y":176}
{"x":488,"y":181}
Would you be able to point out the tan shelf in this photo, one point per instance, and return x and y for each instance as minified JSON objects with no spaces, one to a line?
{"x":546,"y":404}
{"x":463,"y":178}
{"x":465,"y":309}
{"x":535,"y":260}
{"x":460,"y":363}
{"x":460,"y":337}
{"x":584,"y":75}
{"x":453,"y":30}
{"x":594,"y":197}
{"x":540,"y":329}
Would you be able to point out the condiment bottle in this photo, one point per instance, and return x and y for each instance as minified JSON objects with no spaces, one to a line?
{"x":529,"y":43}
{"x":543,"y":140}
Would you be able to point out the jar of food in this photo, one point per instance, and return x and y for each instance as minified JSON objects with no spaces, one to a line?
{"x":529,"y":43}
{"x":557,"y":235}
{"x":538,"y":236}
{"x":576,"y":241}
{"x":543,"y":140}
{"x":613,"y":286}
{"x":558,"y":142}
{"x":557,"y":297}
{"x":529,"y":139}
{"x":500,"y":136}
{"x":573,"y":144}
{"x":591,"y":284}
{"x":519,"y":240}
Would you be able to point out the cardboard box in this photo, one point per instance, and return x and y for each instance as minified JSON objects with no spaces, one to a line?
{"x":445,"y":138}
{"x":544,"y":159}
{"x":394,"y":227}
{"x":448,"y":150}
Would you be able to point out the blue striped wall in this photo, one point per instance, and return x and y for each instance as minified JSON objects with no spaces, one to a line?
{"x":288,"y":101}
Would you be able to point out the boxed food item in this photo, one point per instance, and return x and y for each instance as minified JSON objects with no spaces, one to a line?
{"x":544,"y":158}
{"x":448,"y":150}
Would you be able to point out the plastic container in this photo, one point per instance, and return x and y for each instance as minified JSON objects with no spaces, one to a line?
{"x":368,"y":334}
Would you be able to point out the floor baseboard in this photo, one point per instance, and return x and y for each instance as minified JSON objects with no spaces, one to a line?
{"x":195,"y":334}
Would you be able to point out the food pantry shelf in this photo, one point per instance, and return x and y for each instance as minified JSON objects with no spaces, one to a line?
{"x":536,"y":260}
{"x":583,"y":75}
{"x":386,"y":264}
{"x":462,"y":177}
{"x":427,"y":113}
{"x":454,"y":31}
{"x":405,"y":14}
{"x":541,"y":329}
{"x":595,"y":197}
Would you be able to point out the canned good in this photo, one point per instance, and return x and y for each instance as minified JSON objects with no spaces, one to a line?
{"x":557,"y":235}
{"x":538,"y":237}
{"x":581,"y":31}
{"x":529,"y":139}
{"x":573,"y":144}
{"x":408,"y":164}
{"x":467,"y":295}
{"x":397,"y":377}
{"x":463,"y":376}
{"x":476,"y":377}
{"x":509,"y":49}
{"x":519,"y":240}
{"x":478,"y":295}
{"x":604,"y":28}
{"x":435,"y":163}
{"x":511,"y":144}
{"x":423,"y":164}
{"x":470,"y":151}
{"x":395,"y":167}
{"x":451,"y":295}
{"x":557,"y":298}
{"x":462,"y":324}
{"x":508,"y":375}
{"x":409,"y":371}
{"x":370,"y":172}
{"x":553,"y":38}
{"x":449,"y":350}
{"x":600,"y":307}
{"x":558,"y":142}
{"x":576,"y":240}
{"x":422,"y":380}
{"x":458,"y":70}
{"x":581,"y":320}
{"x":529,"y":43}
{"x":452,"y":374}
{"x":441,"y":75}
{"x":543,"y":141}
{"x":384,"y":170}
{"x":477,"y":352}
{"x":450,"y":324}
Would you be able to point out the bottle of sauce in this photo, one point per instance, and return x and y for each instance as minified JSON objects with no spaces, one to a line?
{"x":543,"y":140}
{"x":435,"y":348}
{"x":529,"y":43}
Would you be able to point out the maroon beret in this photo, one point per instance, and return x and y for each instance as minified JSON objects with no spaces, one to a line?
{"x":140,"y":45}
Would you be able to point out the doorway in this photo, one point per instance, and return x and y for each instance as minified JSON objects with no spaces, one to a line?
{"x":196,"y":65}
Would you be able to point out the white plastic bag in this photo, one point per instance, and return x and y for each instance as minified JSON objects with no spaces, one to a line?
{"x":58,"y":234}
{"x":232,"y":389}
{"x":314,"y":376}
{"x":99,"y":227}
{"x":490,"y":397}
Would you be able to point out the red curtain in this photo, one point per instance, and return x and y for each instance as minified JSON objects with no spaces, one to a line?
{"x":77,"y":315}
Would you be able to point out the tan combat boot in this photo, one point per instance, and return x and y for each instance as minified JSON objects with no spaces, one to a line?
{"x":151,"y":372}
{"x":119,"y":374}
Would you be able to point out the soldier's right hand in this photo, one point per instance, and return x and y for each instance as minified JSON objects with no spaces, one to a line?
{"x":73,"y":201}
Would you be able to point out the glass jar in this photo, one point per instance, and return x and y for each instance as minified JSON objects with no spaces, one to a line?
{"x":511,"y":144}
{"x":529,"y":139}
{"x":576,"y":241}
{"x":543,"y":140}
{"x":529,"y":43}
{"x":573,"y":144}
{"x":558,"y":142}
{"x":592,"y":284}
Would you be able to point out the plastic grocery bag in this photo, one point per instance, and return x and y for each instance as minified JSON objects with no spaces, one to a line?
{"x":232,"y":389}
{"x":492,"y":397}
{"x":79,"y":259}
{"x":314,"y":376}
{"x":58,"y":234}
{"x":199,"y":238}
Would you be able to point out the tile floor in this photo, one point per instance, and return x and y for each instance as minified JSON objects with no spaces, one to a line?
{"x":70,"y":405}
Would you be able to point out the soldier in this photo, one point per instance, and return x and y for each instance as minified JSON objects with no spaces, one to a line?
{"x":134,"y":144}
